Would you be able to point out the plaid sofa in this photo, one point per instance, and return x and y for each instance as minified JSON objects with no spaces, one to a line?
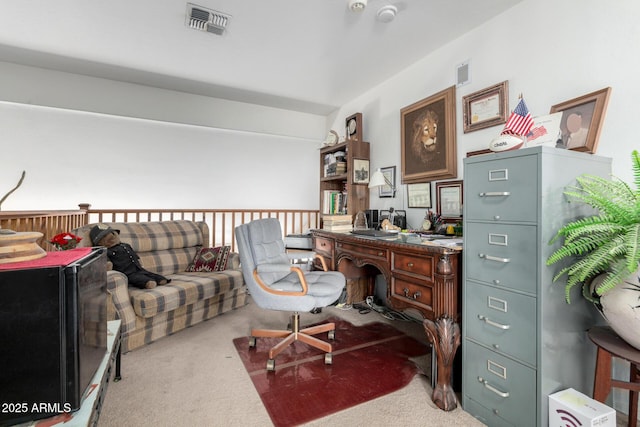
{"x":167,"y":248}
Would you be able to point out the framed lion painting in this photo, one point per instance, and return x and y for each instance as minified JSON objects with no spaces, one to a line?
{"x":428,"y":138}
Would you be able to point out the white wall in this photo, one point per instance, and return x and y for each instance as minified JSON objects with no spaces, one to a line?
{"x":550,"y":51}
{"x":118,"y":145}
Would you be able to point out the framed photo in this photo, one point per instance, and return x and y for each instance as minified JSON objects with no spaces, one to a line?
{"x":486,"y":108}
{"x":449,"y":200}
{"x":360,"y":171}
{"x":390,"y":175}
{"x":419,"y":195}
{"x":582,"y":120}
{"x":428,"y":138}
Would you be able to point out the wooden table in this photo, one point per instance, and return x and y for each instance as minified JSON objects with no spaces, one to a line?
{"x":420,"y":276}
{"x":611,"y":345}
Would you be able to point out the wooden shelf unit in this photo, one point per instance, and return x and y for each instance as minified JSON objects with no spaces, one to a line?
{"x":357,"y":195}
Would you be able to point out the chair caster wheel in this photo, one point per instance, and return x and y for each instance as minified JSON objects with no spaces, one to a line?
{"x":252,"y":342}
{"x":271,"y":365}
{"x":328,"y":359}
{"x":331,"y":335}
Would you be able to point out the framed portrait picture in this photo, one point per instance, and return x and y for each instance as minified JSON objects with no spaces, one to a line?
{"x":390,"y":176}
{"x":428,"y":138}
{"x":360,"y":171}
{"x":419,"y":195}
{"x":449,"y":200}
{"x":486,"y":108}
{"x":582,"y":120}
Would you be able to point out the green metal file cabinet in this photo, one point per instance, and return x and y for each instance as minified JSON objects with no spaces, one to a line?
{"x":521,"y":340}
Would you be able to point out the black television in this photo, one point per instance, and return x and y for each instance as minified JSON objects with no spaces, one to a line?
{"x":53,"y":330}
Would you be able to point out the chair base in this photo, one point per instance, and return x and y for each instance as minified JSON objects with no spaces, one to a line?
{"x":296,"y":334}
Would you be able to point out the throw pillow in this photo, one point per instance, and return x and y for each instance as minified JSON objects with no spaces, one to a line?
{"x":210,"y":259}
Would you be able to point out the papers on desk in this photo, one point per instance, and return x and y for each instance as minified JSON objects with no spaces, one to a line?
{"x":447,"y":242}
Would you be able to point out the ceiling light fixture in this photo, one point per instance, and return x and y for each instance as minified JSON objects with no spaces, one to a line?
{"x":387,"y":13}
{"x":357,"y":5}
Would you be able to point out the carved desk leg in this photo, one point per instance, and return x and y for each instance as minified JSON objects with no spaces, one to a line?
{"x":444,"y":335}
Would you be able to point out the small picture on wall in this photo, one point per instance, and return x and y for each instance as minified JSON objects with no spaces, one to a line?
{"x":360,"y":171}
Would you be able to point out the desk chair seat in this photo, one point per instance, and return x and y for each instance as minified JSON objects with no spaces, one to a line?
{"x":275,"y":284}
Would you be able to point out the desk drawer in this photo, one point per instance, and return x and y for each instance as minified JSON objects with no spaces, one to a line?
{"x":505,"y":387}
{"x":323,"y":246}
{"x":503,"y":320}
{"x":502,"y":190}
{"x":360,"y":250}
{"x":421,"y":266}
{"x":504,"y":255}
{"x":414,"y":293}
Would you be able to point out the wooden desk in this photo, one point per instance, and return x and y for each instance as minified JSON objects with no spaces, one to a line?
{"x":424,"y":277}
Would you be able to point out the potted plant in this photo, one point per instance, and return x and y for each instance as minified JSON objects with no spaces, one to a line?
{"x":604,"y":248}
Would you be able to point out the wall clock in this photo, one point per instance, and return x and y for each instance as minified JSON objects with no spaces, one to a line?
{"x":354,"y":127}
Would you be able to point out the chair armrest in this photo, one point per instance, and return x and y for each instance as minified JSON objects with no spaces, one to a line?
{"x":279,"y":268}
{"x":120,"y":301}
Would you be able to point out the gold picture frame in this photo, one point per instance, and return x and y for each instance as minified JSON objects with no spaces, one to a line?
{"x":428,"y":138}
{"x":582,"y":120}
{"x":486,"y":108}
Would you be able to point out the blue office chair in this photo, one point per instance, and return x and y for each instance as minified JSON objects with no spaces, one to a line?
{"x":276,"y":284}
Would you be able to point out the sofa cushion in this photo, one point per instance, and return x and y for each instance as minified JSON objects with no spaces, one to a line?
{"x":210,"y":259}
{"x":185,"y":288}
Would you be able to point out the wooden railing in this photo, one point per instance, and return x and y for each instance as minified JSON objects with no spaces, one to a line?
{"x":221,"y":222}
{"x":49,"y":223}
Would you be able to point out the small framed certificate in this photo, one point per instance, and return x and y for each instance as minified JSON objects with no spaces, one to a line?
{"x":486,"y":108}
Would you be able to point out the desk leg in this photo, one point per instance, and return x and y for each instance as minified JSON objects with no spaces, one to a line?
{"x":444,"y":335}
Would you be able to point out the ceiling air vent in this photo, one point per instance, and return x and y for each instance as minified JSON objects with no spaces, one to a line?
{"x":203,"y":19}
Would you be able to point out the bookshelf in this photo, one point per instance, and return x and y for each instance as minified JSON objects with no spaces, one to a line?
{"x":338,"y":192}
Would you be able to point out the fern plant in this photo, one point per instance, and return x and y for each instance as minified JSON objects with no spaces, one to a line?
{"x":604,"y":243}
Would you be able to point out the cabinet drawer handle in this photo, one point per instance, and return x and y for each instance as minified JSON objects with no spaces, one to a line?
{"x":492,"y":388}
{"x":409,"y":264}
{"x":380,"y":253}
{"x":492,"y":323}
{"x":495,"y":194}
{"x":416,"y":295}
{"x":494,"y":258}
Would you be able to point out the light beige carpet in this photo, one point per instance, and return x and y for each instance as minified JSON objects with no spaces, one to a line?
{"x":196,"y":378}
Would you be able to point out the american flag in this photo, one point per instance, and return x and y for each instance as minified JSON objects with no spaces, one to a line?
{"x":520,"y":121}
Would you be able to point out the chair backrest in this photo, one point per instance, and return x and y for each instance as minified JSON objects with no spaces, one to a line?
{"x":260,"y":242}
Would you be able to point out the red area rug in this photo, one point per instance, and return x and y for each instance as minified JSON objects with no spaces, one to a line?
{"x":369,"y":361}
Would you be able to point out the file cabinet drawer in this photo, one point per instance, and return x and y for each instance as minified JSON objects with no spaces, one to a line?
{"x":502,"y":190}
{"x":501,"y":254}
{"x":502,"y":320}
{"x":484,"y":415}
{"x":505,"y":387}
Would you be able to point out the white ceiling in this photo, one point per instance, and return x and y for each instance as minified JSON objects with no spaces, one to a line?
{"x":304,"y":55}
